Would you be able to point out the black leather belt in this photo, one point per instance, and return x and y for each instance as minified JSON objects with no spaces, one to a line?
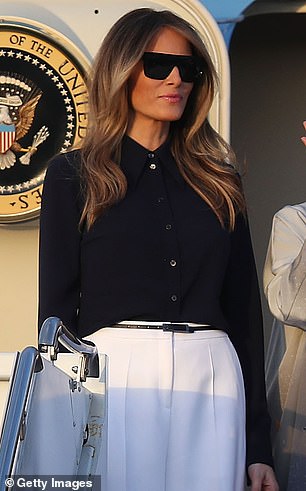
{"x":167,"y":327}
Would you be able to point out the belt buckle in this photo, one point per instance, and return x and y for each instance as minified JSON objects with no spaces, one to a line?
{"x":177,"y":328}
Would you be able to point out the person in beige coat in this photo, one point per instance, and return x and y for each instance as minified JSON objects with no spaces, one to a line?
{"x":285,"y":290}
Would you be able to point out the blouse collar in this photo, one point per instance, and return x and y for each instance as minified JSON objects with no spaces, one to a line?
{"x":134,"y":158}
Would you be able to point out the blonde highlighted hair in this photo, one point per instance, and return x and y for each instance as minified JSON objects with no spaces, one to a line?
{"x":201,"y":154}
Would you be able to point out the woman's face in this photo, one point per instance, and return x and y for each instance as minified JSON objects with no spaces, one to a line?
{"x":160,"y":100}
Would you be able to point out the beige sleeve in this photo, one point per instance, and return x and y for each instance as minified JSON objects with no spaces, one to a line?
{"x":285,"y":267}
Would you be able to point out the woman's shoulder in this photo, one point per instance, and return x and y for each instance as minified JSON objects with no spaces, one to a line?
{"x":65,"y":165}
{"x":290,"y":221}
{"x":292,"y":212}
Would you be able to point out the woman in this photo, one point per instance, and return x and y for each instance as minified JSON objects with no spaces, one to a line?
{"x":285,"y":289}
{"x":145,"y":250}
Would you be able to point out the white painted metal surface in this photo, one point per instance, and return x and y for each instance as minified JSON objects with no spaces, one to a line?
{"x":63,"y":428}
{"x":55,"y":422}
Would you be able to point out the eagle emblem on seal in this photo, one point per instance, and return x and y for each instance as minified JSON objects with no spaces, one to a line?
{"x":18,"y":101}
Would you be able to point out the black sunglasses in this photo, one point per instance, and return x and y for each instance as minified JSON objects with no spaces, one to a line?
{"x":159,"y":66}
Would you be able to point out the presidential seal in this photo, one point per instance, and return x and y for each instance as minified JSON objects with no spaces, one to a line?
{"x":43,"y":111}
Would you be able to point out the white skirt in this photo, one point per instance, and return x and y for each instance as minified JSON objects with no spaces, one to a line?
{"x":176,"y":411}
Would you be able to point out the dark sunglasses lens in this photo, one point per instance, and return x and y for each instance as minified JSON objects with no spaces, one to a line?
{"x":156,"y":69}
{"x":188,"y":71}
{"x":158,"y":66}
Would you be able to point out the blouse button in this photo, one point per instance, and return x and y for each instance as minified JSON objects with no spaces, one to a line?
{"x":153,"y":166}
{"x":151,"y":155}
{"x":173,"y":262}
{"x":173,"y":298}
{"x":168,"y":226}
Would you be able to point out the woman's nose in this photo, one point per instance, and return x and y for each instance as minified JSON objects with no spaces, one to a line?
{"x":174,"y":76}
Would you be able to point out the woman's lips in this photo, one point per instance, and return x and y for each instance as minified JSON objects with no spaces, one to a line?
{"x":173,"y":98}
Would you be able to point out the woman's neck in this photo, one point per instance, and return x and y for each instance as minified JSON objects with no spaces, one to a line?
{"x":149,"y":136}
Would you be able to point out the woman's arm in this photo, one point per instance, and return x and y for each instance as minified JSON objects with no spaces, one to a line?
{"x":59,"y":250}
{"x":242,"y":308}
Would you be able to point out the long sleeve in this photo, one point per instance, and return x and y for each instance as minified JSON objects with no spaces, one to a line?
{"x":59,"y":273}
{"x":285,"y":267}
{"x":242,"y":308}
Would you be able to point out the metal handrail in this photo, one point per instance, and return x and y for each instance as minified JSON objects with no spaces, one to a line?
{"x":53,"y":333}
{"x":29,"y":362}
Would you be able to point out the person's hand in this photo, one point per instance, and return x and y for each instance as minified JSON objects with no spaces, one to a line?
{"x":262,"y":478}
{"x":303,"y":138}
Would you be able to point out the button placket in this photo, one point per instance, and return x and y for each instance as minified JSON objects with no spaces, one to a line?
{"x":169,"y":244}
{"x":152,"y":162}
{"x":173,"y":265}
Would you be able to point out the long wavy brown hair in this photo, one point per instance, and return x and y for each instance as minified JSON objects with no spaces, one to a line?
{"x":202,"y":156}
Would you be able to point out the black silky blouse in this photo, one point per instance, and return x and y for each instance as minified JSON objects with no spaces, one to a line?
{"x":159,"y":254}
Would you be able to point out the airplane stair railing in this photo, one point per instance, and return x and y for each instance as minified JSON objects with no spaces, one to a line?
{"x":53,"y":333}
{"x":28,"y":362}
{"x":53,"y":421}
